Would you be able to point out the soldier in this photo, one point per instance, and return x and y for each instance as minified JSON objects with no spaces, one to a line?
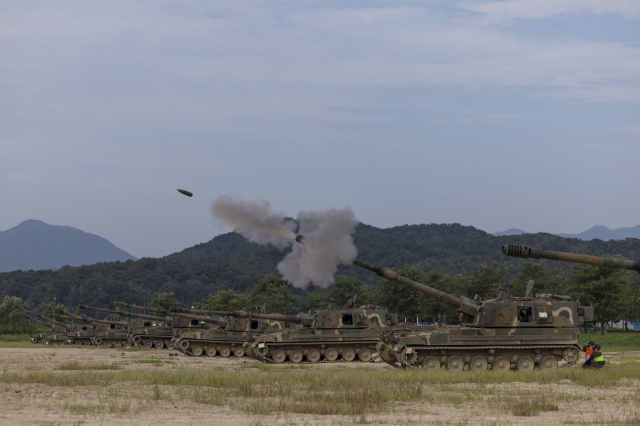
{"x":588,"y":353}
{"x":598,"y":358}
{"x":349,"y":303}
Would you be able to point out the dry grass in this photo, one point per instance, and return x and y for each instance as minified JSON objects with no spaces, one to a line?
{"x":74,"y":366}
{"x":262,"y":389}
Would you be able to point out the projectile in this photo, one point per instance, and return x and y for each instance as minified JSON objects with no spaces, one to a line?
{"x":299,"y":238}
{"x":187,"y":193}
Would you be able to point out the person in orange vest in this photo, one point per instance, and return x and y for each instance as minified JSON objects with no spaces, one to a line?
{"x":588,"y":353}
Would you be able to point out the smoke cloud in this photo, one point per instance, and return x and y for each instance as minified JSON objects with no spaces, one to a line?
{"x":255,"y":220}
{"x":327,"y":243}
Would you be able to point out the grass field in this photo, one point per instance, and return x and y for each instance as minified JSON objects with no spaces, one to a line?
{"x":260,"y":389}
{"x":614,"y":341}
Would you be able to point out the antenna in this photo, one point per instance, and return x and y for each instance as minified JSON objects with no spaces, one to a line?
{"x":529,"y":288}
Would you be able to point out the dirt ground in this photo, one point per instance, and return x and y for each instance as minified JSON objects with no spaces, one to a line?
{"x":48,"y":404}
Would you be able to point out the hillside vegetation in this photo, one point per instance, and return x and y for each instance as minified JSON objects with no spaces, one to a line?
{"x":229,"y":262}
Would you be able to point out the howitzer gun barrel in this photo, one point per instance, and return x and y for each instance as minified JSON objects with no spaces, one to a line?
{"x":46,"y":319}
{"x":33,"y":319}
{"x":516,"y":250}
{"x":139,"y":308}
{"x":240,"y":314}
{"x":64,"y":311}
{"x":388,"y":274}
{"x":123,"y":313}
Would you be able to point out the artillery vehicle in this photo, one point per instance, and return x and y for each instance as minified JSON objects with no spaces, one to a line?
{"x":36,"y":337}
{"x":230,"y":335}
{"x":152,"y":331}
{"x":347,"y":333}
{"x":58,"y":334}
{"x":78,"y":334}
{"x":524,"y":332}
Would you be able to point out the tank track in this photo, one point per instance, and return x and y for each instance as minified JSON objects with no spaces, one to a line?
{"x":571,"y":354}
{"x":261,"y":355}
{"x":151,"y":341}
{"x":232,"y":345}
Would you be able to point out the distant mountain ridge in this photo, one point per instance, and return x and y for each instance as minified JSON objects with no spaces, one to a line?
{"x":229,"y":261}
{"x":599,"y":232}
{"x":36,"y":245}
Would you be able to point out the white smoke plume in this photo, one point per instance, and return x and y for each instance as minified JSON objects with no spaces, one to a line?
{"x":255,"y":220}
{"x":327,"y":242}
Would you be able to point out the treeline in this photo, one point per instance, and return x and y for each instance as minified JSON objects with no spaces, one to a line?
{"x":614,"y":294}
{"x":229,"y":262}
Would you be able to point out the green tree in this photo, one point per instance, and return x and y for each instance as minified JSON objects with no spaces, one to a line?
{"x":545,"y":280}
{"x":225,"y":300}
{"x":400,"y":298}
{"x":165,"y":301}
{"x":602,"y":287}
{"x":274,"y":294}
{"x":10,"y":322}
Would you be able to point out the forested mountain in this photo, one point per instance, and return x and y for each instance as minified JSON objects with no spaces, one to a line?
{"x":34,"y":244}
{"x":230,"y":262}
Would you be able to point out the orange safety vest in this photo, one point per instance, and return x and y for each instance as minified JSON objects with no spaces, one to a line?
{"x":589,"y":351}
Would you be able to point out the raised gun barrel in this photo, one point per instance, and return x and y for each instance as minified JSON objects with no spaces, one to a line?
{"x":516,"y":250}
{"x":245,"y":314}
{"x":63,"y":311}
{"x":45,"y":318}
{"x":33,"y":319}
{"x":140,"y":308}
{"x":123,"y":313}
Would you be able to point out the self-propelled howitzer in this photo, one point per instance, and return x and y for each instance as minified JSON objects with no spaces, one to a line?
{"x":231,"y":333}
{"x":524,"y":332}
{"x":343,"y":333}
{"x":151,"y":331}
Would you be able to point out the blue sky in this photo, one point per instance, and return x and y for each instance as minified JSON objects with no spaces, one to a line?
{"x":495,"y":114}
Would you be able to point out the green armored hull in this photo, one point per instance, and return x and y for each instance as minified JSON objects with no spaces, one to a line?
{"x":227,"y":338}
{"x":344,"y":334}
{"x":500,"y":334}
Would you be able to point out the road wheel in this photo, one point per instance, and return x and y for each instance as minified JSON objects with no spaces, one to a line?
{"x":224,"y":351}
{"x":196,"y":350}
{"x":158,"y":344}
{"x":313,"y":355}
{"x":239,"y":352}
{"x":169,"y":344}
{"x":137,"y":340}
{"x":478,"y":364}
{"x":331,"y":354}
{"x":184,"y":344}
{"x":210,"y":351}
{"x":47,"y":342}
{"x":279,"y":356}
{"x":348,"y":355}
{"x":571,"y":355}
{"x":98,"y":341}
{"x":295,"y":356}
{"x":77,"y":342}
{"x":455,"y":363}
{"x":525,"y":364}
{"x":431,"y":363}
{"x":147,"y":343}
{"x":86,"y":342}
{"x":548,"y":363}
{"x":364,"y":355}
{"x":501,"y":364}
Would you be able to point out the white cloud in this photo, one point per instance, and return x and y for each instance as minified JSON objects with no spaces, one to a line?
{"x":502,"y":11}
